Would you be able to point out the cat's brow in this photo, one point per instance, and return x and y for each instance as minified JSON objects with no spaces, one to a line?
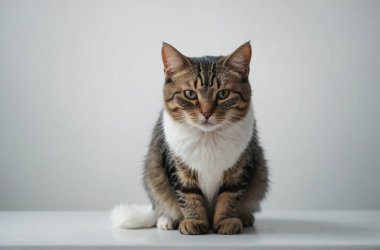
{"x":226,"y":76}
{"x":226,"y":83}
{"x":188,"y":84}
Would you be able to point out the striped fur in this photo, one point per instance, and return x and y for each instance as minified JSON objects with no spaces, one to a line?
{"x":205,"y":168}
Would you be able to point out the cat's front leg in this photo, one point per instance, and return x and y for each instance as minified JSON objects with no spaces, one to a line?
{"x":226,"y":219}
{"x":195,"y":219}
{"x":191,"y":202}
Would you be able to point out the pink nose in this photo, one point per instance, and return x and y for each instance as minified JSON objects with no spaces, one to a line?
{"x":206,"y":114}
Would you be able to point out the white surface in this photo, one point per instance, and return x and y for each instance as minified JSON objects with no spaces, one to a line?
{"x":274,"y":230}
{"x":81,"y":87}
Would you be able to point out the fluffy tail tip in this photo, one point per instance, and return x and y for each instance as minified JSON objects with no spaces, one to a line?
{"x":133,"y":216}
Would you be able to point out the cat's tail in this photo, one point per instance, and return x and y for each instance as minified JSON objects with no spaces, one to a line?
{"x":133,"y":216}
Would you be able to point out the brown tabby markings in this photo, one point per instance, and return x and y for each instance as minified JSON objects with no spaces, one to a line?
{"x":191,"y":201}
{"x":156,"y":180}
{"x":206,"y":81}
{"x":172,"y":185}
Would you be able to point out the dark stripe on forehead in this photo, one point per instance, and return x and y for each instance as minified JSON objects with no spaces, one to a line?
{"x":200,"y":73}
{"x":212,"y":74}
{"x":218,"y":84}
{"x":205,"y":74}
{"x":195,"y":83}
{"x":215,"y":76}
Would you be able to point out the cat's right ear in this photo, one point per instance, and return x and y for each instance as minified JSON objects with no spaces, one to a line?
{"x":172,"y":59}
{"x":240,"y":59}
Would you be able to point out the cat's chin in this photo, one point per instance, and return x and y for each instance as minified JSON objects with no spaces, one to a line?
{"x":207,"y":127}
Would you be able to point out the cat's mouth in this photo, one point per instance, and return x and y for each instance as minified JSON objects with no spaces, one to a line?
{"x":207,"y":125}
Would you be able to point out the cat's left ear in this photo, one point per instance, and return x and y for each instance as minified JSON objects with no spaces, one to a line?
{"x":240,"y":59}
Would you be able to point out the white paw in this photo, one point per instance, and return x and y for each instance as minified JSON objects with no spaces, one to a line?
{"x":164,"y":223}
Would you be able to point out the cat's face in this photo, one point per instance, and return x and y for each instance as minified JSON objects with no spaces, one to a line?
{"x":208,"y":92}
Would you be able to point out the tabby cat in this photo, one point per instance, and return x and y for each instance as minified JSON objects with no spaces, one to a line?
{"x":205,"y":168}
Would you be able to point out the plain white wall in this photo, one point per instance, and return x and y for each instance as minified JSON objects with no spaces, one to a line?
{"x":80,"y":90}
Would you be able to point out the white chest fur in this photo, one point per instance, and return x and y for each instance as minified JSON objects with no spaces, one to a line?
{"x":209,"y":153}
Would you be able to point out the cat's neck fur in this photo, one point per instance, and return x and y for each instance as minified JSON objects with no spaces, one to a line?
{"x":209,"y":153}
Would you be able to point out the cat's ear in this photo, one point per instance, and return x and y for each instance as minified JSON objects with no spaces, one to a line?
{"x":172,"y":59}
{"x":240,"y":59}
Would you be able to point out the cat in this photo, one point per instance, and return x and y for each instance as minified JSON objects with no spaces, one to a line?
{"x":205,"y":169}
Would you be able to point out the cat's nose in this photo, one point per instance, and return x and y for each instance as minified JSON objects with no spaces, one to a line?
{"x":206,"y":108}
{"x":206,"y":114}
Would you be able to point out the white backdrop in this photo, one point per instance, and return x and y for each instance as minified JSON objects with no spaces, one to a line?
{"x":80,"y":90}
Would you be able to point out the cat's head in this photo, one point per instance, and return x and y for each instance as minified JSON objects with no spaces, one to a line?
{"x":207,"y":92}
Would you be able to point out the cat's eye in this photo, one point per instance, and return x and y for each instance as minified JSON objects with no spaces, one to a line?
{"x":190,"y":94}
{"x":223,"y":94}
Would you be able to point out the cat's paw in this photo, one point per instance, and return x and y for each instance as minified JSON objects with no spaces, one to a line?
{"x":247,"y":220}
{"x":165,"y":223}
{"x":229,"y":226}
{"x":193,"y":227}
